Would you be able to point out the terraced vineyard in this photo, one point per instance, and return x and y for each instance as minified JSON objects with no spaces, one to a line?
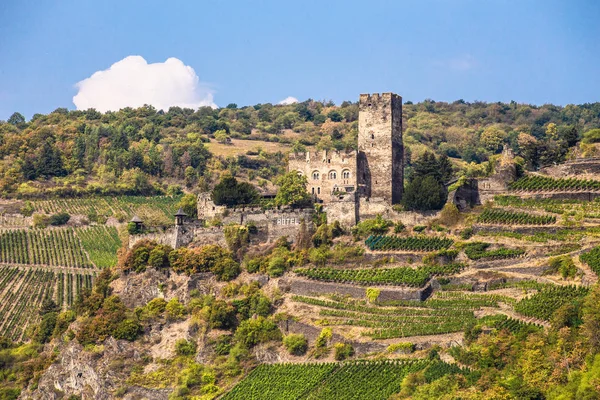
{"x":537,"y":183}
{"x":380,"y":276}
{"x":479,"y":251}
{"x":592,"y":259}
{"x":101,"y":243}
{"x":549,"y":299}
{"x":108,"y":206}
{"x":504,"y":217}
{"x":22,"y":290}
{"x":65,"y":247}
{"x":404,"y":319}
{"x":412,"y":243}
{"x":369,"y":380}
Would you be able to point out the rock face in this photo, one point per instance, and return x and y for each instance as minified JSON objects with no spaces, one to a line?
{"x":91,"y":375}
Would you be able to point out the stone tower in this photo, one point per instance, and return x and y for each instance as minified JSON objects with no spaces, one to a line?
{"x":380,"y":161}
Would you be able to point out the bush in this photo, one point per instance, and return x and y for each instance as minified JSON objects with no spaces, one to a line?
{"x":296,"y":344}
{"x":467,"y":233}
{"x":127,"y":329}
{"x":323,"y":338}
{"x":376,"y":226}
{"x":158,"y":257}
{"x":343,"y":351}
{"x":175,"y":310}
{"x":254,"y":331}
{"x":155,"y":307}
{"x":277,"y":266}
{"x":226,"y":269}
{"x":133,"y":228}
{"x":40,"y":221}
{"x":221,"y":315}
{"x":185,"y":347}
{"x":59,"y":219}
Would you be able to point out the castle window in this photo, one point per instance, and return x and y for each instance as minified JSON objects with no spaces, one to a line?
{"x":328,"y":161}
{"x":315,"y":175}
{"x":313,"y":190}
{"x":318,"y":190}
{"x":332,"y":175}
{"x":346,"y":174}
{"x":372,"y":136}
{"x":369,"y":104}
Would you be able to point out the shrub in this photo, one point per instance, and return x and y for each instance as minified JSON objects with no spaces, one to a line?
{"x":27,"y":209}
{"x":373,"y":294}
{"x":324,"y":337}
{"x":155,"y":307}
{"x":133,"y":228}
{"x":221,"y":315}
{"x":226,"y":269}
{"x":449,"y":215}
{"x":175,"y":310}
{"x":296,"y":344}
{"x":277,"y":266}
{"x":399,"y":227}
{"x":40,"y":221}
{"x":419,"y":228}
{"x":254,"y":331}
{"x":185,"y":347}
{"x":467,"y":233}
{"x":343,"y":351}
{"x":127,"y":329}
{"x":376,"y":226}
{"x":158,"y":257}
{"x":59,"y":219}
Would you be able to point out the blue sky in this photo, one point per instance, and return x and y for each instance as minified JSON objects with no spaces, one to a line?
{"x":251,"y":52}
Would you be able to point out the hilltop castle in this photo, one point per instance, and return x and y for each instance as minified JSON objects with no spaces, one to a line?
{"x":359,"y":184}
{"x":352,"y":186}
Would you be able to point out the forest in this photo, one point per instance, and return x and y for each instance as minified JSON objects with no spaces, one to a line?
{"x":145,"y":151}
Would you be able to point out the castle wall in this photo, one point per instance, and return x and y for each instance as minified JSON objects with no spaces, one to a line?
{"x":167,"y":237}
{"x":343,"y":210}
{"x":380,"y":150}
{"x":327,"y":172}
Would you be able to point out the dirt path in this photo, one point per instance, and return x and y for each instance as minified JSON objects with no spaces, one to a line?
{"x":54,"y":268}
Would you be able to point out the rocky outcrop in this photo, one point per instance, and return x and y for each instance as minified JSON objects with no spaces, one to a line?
{"x":92,"y":374}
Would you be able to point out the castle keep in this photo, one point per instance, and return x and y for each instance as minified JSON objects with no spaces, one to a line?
{"x":360,"y":184}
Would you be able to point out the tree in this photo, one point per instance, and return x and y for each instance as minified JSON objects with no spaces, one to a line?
{"x":221,"y":136}
{"x":16,"y":119}
{"x":492,"y":138}
{"x":292,"y":190}
{"x":230,"y":192}
{"x":189,"y":205}
{"x":424,"y":194}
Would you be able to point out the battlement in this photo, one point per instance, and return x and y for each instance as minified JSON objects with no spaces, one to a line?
{"x":376,"y":100}
{"x":324,"y":156}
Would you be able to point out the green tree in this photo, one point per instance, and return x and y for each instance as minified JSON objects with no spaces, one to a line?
{"x":292,"y":190}
{"x":189,"y":205}
{"x":230,"y":192}
{"x":16,"y":119}
{"x":424,"y":194}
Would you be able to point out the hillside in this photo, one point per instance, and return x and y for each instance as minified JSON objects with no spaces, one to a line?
{"x":144,"y":151}
{"x":493,"y":295}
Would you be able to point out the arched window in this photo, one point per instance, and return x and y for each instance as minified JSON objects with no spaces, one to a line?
{"x":372,"y":136}
{"x":315,"y":175}
{"x":332,"y":175}
{"x":313,"y":190}
{"x":346,"y":174}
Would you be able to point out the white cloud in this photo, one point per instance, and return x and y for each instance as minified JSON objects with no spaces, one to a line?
{"x":463,"y":62}
{"x":288,"y":100}
{"x":132,"y":82}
